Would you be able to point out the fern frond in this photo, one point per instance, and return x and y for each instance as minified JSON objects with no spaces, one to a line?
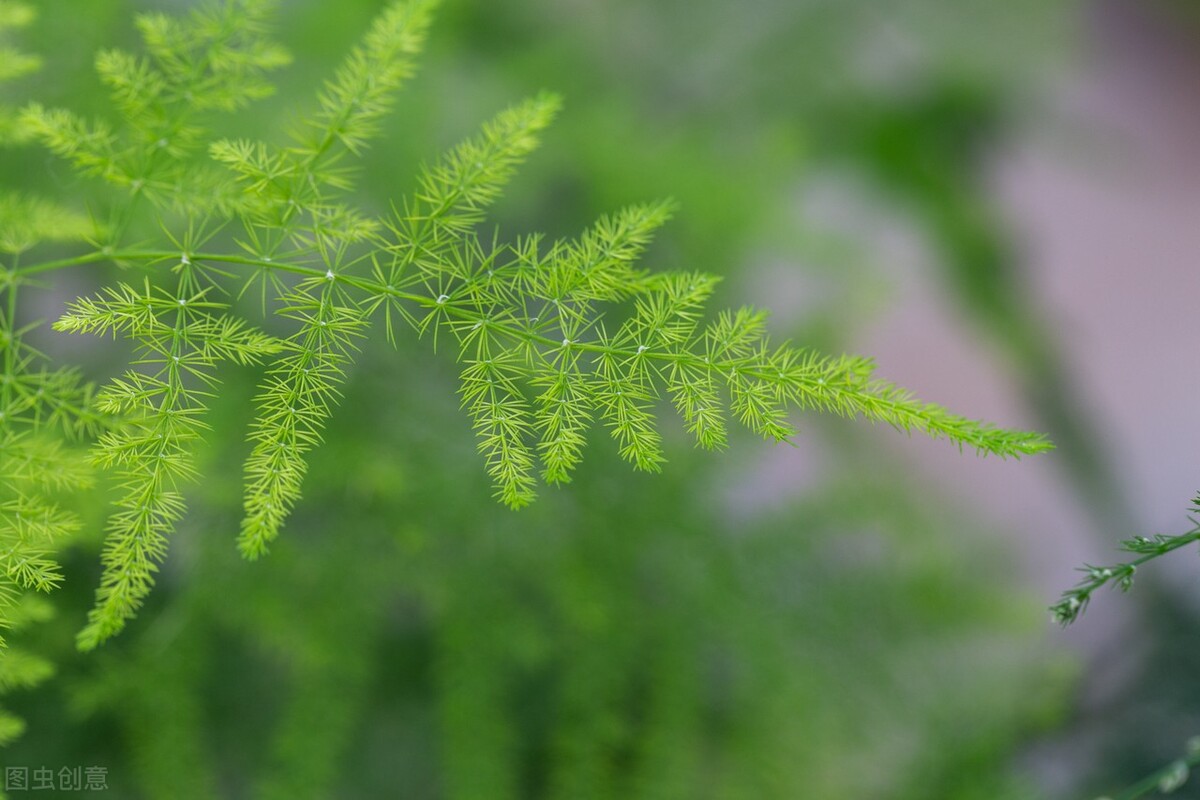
{"x":503,"y":421}
{"x":428,"y":249}
{"x":293,"y":407}
{"x":533,"y":326}
{"x":215,"y":59}
{"x":90,"y":147}
{"x":41,"y":410}
{"x":40,"y":463}
{"x":301,"y":390}
{"x":289,"y":192}
{"x":180,"y":337}
{"x":453,"y":193}
{"x":32,"y":527}
{"x":29,"y":528}
{"x":362,"y":90}
{"x":563,"y":416}
{"x":26,"y":221}
{"x":32,"y":396}
{"x":32,"y":530}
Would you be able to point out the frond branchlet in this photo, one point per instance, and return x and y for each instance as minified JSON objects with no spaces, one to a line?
{"x":180,"y":336}
{"x":1074,"y":601}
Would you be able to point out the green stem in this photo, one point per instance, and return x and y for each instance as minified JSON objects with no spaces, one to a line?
{"x":1166,"y":780}
{"x":1075,"y":600}
{"x":376,"y":288}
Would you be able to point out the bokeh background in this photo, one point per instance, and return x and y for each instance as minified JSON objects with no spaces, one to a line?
{"x":997,"y":200}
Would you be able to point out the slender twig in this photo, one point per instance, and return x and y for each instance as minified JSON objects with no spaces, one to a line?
{"x":1074,"y":601}
{"x":1166,"y":779}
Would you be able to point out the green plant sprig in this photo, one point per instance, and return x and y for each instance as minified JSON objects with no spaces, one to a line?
{"x":1075,"y":600}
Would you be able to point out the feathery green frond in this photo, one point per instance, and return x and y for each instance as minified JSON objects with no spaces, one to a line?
{"x":180,"y":337}
{"x":428,"y":245}
{"x":299,"y":395}
{"x":289,"y":191}
{"x":296,"y":399}
{"x":215,"y":59}
{"x":32,"y":527}
{"x":26,"y":221}
{"x":91,"y":148}
{"x":553,"y":339}
{"x":453,"y":193}
{"x":531,"y":324}
{"x":34,"y":467}
{"x":40,"y":463}
{"x":363,"y":89}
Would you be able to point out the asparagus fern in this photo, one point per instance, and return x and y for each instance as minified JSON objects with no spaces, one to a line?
{"x":553,"y":338}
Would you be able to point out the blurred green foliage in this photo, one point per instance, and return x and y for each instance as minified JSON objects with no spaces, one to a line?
{"x":631,"y":636}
